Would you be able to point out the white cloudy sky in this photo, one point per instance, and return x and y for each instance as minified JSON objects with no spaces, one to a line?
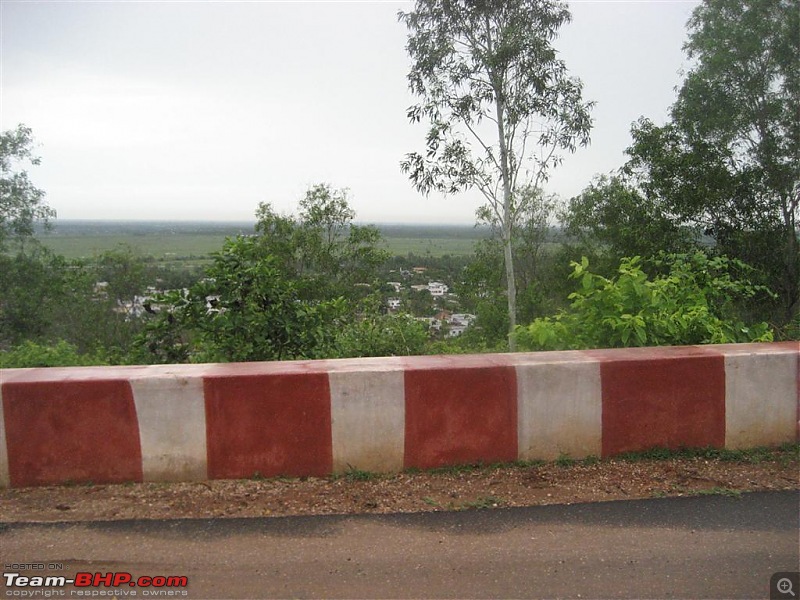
{"x":201,"y":110}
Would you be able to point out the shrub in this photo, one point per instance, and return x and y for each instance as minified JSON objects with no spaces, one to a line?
{"x":60,"y":354}
{"x":691,"y":300}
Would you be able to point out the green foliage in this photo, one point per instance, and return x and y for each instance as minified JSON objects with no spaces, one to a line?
{"x":45,"y":298}
{"x":299,"y":289}
{"x":727,"y":161}
{"x":245,"y":310}
{"x":126,"y":272}
{"x":167,"y":335}
{"x":28,"y":290}
{"x":690,"y":301}
{"x":182,"y":245}
{"x":482,"y":502}
{"x":790,"y":331}
{"x":353,"y":475}
{"x":613,"y":218}
{"x":719,"y":491}
{"x":722,"y":173}
{"x":483,"y":288}
{"x":21,"y":203}
{"x":565,"y":461}
{"x":381,"y":335}
{"x":479,"y":61}
{"x":492,"y":63}
{"x":322,"y":250}
{"x":786,"y":452}
{"x":61,"y":354}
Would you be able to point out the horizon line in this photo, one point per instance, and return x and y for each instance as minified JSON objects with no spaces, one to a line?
{"x":55,"y":222}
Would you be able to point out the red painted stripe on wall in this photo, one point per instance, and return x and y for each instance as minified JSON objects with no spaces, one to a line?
{"x":268,"y":425}
{"x":460,"y":416}
{"x":77,"y":431}
{"x":662,"y":399}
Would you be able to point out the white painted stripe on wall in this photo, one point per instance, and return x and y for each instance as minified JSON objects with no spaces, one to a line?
{"x":368,"y":420}
{"x":5,"y":477}
{"x":761,"y":399}
{"x":559,"y":409}
{"x":172,"y":427}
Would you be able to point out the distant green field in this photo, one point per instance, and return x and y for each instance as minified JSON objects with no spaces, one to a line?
{"x":435,"y":247}
{"x":193,"y":242}
{"x":160,"y":246}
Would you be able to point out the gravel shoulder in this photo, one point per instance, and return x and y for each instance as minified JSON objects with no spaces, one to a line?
{"x":461,"y":488}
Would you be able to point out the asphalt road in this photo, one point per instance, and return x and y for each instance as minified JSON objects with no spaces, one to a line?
{"x":702,"y":547}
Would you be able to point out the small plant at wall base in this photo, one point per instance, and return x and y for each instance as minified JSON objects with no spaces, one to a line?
{"x":690,"y":300}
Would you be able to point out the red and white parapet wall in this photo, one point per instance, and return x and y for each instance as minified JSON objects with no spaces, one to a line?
{"x":312,"y":418}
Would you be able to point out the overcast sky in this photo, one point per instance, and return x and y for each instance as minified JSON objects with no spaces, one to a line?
{"x":201,"y":110}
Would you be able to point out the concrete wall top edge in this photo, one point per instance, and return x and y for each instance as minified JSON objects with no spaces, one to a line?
{"x":651,"y":353}
{"x":297,"y":367}
{"x":552,"y":357}
{"x":792,"y":347}
{"x":387,"y":364}
{"x":457,"y":361}
{"x":48,"y":374}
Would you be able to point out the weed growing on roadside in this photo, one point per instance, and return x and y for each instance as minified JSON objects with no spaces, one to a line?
{"x":528,"y":464}
{"x":652,"y":454}
{"x":785,"y":453}
{"x":718,"y":491}
{"x":483,"y":502}
{"x":354,"y":474}
{"x":565,"y":460}
{"x":456,"y":469}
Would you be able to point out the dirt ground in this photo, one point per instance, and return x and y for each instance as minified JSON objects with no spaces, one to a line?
{"x":559,"y":482}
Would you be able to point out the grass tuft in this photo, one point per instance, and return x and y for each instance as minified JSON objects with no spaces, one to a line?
{"x":483,"y":502}
{"x":785,"y":454}
{"x":565,"y":461}
{"x":354,"y":474}
{"x":718,"y":491}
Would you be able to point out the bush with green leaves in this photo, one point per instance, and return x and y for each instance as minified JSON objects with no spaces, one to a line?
{"x":61,"y":354}
{"x":690,"y":299}
{"x":290,"y":291}
{"x":244,"y":310}
{"x":382,"y":335}
{"x":790,"y":331}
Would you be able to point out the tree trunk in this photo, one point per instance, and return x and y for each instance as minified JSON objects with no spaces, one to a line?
{"x":507,"y":226}
{"x":507,"y":223}
{"x":511,"y":285}
{"x":793,"y":297}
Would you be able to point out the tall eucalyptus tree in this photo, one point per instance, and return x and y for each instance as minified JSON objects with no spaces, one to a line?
{"x":500,"y":104}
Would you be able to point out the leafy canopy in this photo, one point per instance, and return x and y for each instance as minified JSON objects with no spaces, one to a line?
{"x":21,"y":203}
{"x":298,"y":289}
{"x":499,"y":101}
{"x":244,"y":310}
{"x":727,"y":161}
{"x":691,"y":301}
{"x":500,"y":104}
{"x":322,"y":249}
{"x":613,"y":217}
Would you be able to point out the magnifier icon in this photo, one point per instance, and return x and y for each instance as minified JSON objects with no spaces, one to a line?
{"x":785,"y":586}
